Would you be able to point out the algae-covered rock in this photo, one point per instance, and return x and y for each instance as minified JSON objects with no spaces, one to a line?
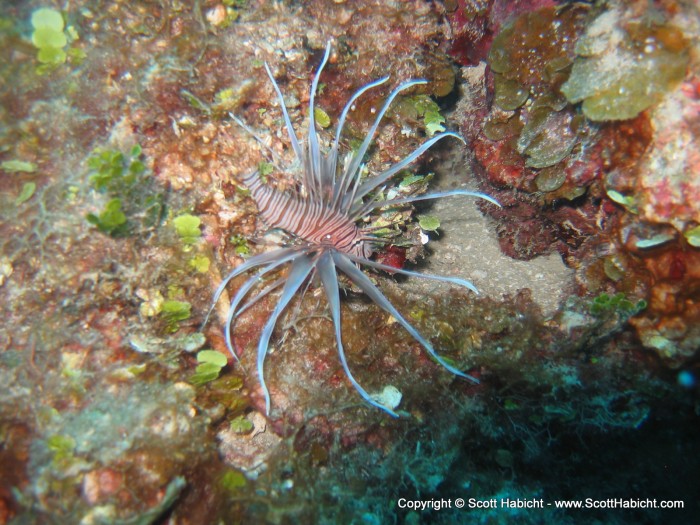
{"x":621,"y":71}
{"x":509,"y":94}
{"x":533,"y":48}
{"x":529,"y":59}
{"x":547,"y":137}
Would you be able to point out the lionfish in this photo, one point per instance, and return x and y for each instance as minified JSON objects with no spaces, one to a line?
{"x":321,"y":214}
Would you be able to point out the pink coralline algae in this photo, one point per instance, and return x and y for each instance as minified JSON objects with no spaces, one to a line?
{"x":669,"y":180}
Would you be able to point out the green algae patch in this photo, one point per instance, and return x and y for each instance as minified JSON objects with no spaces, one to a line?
{"x":241,"y":425}
{"x":619,"y":304}
{"x":111,"y":220}
{"x":173,"y":312}
{"x":529,"y":62}
{"x":230,"y":99}
{"x":265,"y":169}
{"x":233,"y":480}
{"x":693,"y":237}
{"x":200,"y":263}
{"x":542,"y":147}
{"x":15,"y":166}
{"x":187,"y":228}
{"x":26,"y":193}
{"x":421,"y":107}
{"x":528,"y":70}
{"x":240,"y":244}
{"x":61,"y":446}
{"x":429,"y":223}
{"x":322,"y":118}
{"x":210,"y":364}
{"x":49,"y":37}
{"x":134,"y":205}
{"x":509,"y":94}
{"x":620,"y":72}
{"x":47,"y":18}
{"x":550,"y":179}
{"x":628,"y":201}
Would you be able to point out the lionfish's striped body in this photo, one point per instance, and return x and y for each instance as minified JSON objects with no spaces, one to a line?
{"x":311,"y":221}
{"x":322,"y":215}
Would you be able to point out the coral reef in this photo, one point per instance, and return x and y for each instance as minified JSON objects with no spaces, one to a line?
{"x":580,"y":148}
{"x":125,"y":130}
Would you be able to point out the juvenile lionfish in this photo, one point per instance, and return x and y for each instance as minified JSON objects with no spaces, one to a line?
{"x":321,"y":214}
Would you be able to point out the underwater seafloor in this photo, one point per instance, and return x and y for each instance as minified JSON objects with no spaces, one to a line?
{"x":121,"y":210}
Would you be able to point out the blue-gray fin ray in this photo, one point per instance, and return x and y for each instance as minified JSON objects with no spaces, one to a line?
{"x":427,"y":196}
{"x":353,"y":169}
{"x":384,"y":176}
{"x":314,"y":147}
{"x":282,"y":254}
{"x":265,"y":291}
{"x":301,"y":267}
{"x":341,"y":186}
{"x":329,"y":280}
{"x":433,"y":277}
{"x":348,"y":107}
{"x":363,"y":282}
{"x":240,"y":295}
{"x":290,"y":130}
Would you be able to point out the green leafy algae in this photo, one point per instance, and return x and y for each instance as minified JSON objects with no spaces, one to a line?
{"x":693,"y":236}
{"x":173,"y":312}
{"x":619,"y":303}
{"x":210,"y":364}
{"x":233,"y":480}
{"x":200,"y":263}
{"x":628,"y":201}
{"x":241,"y":425}
{"x":428,"y":223}
{"x":322,"y":118}
{"x":27,"y":191}
{"x":264,"y":169}
{"x":49,"y":36}
{"x":509,"y":94}
{"x":14,"y":166}
{"x":187,"y":227}
{"x":46,"y":37}
{"x":213,"y":357}
{"x":62,"y":446}
{"x":134,"y":204}
{"x":46,"y":17}
{"x":408,"y":180}
{"x":528,"y":69}
{"x":112,"y":220}
{"x":421,"y":107}
{"x":656,"y":240}
{"x":550,"y":179}
{"x":621,"y":72}
{"x":240,"y":244}
{"x":542,"y":147}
